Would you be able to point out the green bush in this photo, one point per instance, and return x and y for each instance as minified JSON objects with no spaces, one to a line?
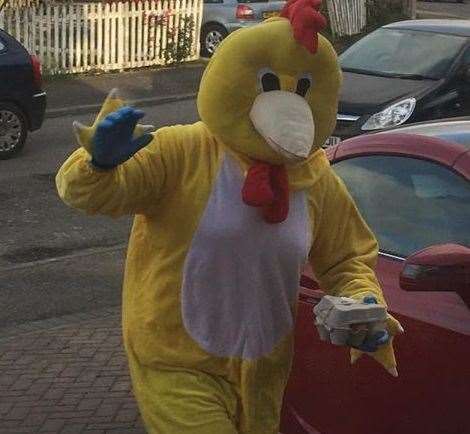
{"x":179,"y":48}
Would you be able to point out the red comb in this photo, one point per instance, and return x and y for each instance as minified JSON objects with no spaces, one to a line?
{"x":306,"y":20}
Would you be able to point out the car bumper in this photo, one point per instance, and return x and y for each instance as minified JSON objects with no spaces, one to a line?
{"x":231,"y":27}
{"x":37,"y":111}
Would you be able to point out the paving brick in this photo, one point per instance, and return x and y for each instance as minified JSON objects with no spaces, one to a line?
{"x":7,"y":380}
{"x":104,"y":381}
{"x":126,"y":416}
{"x":11,"y":356}
{"x":128,"y":431}
{"x":83,"y":415}
{"x":17,"y":413}
{"x":17,"y":430}
{"x":110,"y":372}
{"x":68,"y":380}
{"x":35,"y":419}
{"x":71,"y":372}
{"x":112,"y":425}
{"x":9,"y":395}
{"x":54,"y":425}
{"x":88,"y":376}
{"x":24,"y":400}
{"x":73,"y":428}
{"x":5,"y":407}
{"x":42,"y":388}
{"x":21,"y":384}
{"x":65,"y":379}
{"x":89,"y":404}
{"x":108,"y":410}
{"x":117,"y":395}
{"x":70,"y":400}
{"x":25,"y":360}
{"x":88,"y":352}
{"x":10,"y":424}
{"x":51,"y":409}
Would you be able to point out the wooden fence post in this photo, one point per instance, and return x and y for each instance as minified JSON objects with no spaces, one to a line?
{"x":2,"y":15}
{"x":347,"y":18}
{"x":409,"y":7}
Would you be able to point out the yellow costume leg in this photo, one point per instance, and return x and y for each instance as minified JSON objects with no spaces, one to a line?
{"x":184,"y":402}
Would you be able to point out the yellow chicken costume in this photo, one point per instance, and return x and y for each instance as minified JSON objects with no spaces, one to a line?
{"x":226,"y":215}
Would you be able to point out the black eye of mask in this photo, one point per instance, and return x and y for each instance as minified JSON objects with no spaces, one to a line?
{"x":270,"y":81}
{"x":303,"y":85}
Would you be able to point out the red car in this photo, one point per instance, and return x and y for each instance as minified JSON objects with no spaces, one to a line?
{"x":414,"y":192}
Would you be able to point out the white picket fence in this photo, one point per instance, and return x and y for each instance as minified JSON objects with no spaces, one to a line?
{"x":80,"y":37}
{"x":347,"y":17}
{"x":12,"y":4}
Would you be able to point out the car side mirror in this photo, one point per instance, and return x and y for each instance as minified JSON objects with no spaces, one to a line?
{"x":444,"y":267}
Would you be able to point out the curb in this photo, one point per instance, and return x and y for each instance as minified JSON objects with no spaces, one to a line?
{"x":143,"y":102}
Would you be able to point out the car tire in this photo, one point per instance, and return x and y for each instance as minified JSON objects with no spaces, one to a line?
{"x":13,"y":130}
{"x":211,"y":36}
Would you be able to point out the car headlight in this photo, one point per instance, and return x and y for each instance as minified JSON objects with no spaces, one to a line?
{"x":392,"y":116}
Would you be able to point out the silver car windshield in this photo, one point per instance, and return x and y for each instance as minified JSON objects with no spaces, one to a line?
{"x":394,"y":52}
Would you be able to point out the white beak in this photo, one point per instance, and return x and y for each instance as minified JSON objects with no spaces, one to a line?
{"x":285,"y":121}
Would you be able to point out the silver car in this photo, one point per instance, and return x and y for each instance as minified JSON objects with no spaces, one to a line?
{"x":222,"y":17}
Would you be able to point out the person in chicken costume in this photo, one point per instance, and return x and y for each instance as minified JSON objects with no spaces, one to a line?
{"x":227,"y":212}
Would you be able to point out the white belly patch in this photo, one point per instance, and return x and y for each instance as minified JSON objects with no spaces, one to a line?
{"x":241,"y":274}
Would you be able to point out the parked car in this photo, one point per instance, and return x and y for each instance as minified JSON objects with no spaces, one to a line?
{"x":22,"y":100}
{"x":414,"y":192}
{"x":409,"y":71}
{"x":455,"y":130}
{"x":222,"y":17}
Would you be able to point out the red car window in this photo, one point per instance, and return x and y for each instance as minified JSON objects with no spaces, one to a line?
{"x":409,"y":203}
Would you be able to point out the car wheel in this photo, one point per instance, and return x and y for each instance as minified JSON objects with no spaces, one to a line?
{"x":13,"y":130}
{"x":212,"y":36}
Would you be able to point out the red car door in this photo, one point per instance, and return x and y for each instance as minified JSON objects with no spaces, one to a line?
{"x":412,"y":199}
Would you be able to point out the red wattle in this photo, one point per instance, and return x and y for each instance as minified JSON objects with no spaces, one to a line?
{"x":257,"y":189}
{"x":278,"y":210}
{"x":267,"y":187}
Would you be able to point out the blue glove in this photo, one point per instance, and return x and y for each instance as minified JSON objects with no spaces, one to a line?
{"x":113,"y":141}
{"x":372,"y":343}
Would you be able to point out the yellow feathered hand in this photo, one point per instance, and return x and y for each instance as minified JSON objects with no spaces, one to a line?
{"x":112,"y":103}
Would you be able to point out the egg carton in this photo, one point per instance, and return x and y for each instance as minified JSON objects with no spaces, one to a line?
{"x":345,"y":321}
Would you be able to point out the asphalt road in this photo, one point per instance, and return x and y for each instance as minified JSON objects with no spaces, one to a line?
{"x":55,"y":260}
{"x":444,"y":9}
